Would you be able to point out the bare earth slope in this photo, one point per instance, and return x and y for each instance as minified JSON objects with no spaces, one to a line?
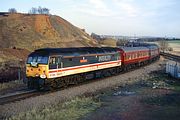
{"x":37,"y":31}
{"x":13,"y":55}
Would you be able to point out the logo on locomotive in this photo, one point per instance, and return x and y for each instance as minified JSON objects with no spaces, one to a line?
{"x":105,"y":58}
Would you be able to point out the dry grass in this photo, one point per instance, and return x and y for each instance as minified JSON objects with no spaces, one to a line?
{"x":11,"y":84}
{"x":70,"y":110}
{"x":176,"y":47}
{"x":108,"y":42}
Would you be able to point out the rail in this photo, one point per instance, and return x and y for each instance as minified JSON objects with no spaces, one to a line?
{"x":170,"y":56}
{"x":17,"y":96}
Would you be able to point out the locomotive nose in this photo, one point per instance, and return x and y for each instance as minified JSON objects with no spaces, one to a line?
{"x":36,"y":72}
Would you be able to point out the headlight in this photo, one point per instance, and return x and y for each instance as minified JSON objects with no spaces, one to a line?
{"x":42,"y":76}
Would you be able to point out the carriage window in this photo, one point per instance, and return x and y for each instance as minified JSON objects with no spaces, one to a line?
{"x":144,"y":54}
{"x":127,"y":56}
{"x":136,"y":55}
{"x":140,"y":54}
{"x":132,"y":56}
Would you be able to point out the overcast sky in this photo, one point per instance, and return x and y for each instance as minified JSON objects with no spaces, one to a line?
{"x":112,"y":17}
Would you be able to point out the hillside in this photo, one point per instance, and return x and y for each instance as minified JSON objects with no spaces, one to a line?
{"x":108,"y":42}
{"x":13,"y":55}
{"x":38,"y":31}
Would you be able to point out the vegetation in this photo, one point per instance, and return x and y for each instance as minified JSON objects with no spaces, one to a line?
{"x":163,"y":81}
{"x":175,"y":41}
{"x":163,"y":45}
{"x":104,"y":41}
{"x":39,"y":10}
{"x":10,"y":84}
{"x":96,"y":36}
{"x":175,"y":85}
{"x":12,"y":10}
{"x":121,"y":42}
{"x":108,"y":42}
{"x":70,"y":110}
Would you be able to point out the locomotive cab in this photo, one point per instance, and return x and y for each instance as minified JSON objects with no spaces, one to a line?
{"x":36,"y":70}
{"x":37,"y":66}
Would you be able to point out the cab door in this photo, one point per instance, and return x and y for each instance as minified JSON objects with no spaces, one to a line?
{"x":55,"y":62}
{"x":59,"y":62}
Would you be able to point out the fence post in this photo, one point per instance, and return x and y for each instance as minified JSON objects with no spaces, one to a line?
{"x":19,"y":73}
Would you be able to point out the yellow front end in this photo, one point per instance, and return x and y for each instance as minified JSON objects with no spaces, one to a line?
{"x":41,"y":71}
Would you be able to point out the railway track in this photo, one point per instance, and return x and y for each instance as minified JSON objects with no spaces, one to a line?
{"x":17,"y":96}
{"x":170,"y":56}
{"x":24,"y":94}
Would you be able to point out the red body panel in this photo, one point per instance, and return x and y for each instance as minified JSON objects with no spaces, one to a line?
{"x":134,"y":60}
{"x":156,"y":53}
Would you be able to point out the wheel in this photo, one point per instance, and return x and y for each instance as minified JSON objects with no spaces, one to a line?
{"x":30,"y":84}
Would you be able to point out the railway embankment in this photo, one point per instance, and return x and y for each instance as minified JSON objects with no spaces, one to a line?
{"x":92,"y":88}
{"x":154,"y":99}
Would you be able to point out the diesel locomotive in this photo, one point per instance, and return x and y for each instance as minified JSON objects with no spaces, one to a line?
{"x":58,"y":67}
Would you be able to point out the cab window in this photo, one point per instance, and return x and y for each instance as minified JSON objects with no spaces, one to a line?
{"x":37,"y":59}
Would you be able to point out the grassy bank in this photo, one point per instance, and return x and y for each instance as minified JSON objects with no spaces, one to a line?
{"x":175,"y":42}
{"x":70,"y":110}
{"x":11,"y":84}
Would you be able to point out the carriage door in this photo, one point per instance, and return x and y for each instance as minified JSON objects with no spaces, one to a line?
{"x":55,"y":62}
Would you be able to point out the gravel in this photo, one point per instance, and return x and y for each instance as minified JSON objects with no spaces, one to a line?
{"x":54,"y":98}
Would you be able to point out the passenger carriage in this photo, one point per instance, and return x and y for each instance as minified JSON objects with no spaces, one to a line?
{"x":134,"y":57}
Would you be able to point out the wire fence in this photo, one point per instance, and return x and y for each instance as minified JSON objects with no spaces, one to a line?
{"x":12,"y":74}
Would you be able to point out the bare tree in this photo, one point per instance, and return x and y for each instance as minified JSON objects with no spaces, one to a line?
{"x":33,"y":10}
{"x":39,"y":10}
{"x":12,"y":10}
{"x":121,"y":42}
{"x":45,"y":11}
{"x":96,"y":36}
{"x":163,"y":45}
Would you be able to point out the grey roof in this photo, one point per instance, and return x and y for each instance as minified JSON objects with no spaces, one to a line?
{"x":130,"y":49}
{"x":153,"y":47}
{"x":74,"y":51}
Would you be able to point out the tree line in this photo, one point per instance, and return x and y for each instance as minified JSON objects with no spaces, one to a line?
{"x":33,"y":10}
